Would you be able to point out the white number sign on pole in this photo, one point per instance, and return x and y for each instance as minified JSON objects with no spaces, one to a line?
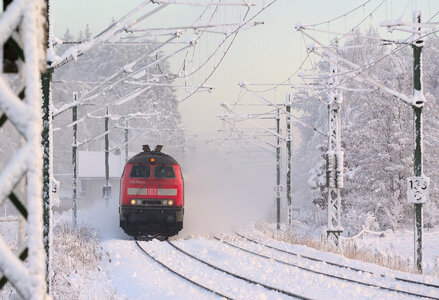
{"x":278,"y":189}
{"x":417,"y":189}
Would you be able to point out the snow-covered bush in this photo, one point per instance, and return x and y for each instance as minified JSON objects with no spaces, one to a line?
{"x":355,"y":221}
{"x":76,"y":258}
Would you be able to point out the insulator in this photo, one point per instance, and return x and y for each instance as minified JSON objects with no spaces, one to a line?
{"x":339,"y":159}
{"x":330,"y":174}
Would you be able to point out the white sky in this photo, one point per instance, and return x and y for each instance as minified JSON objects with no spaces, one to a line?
{"x":269,"y":53}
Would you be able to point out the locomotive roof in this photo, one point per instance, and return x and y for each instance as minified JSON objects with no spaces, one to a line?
{"x":160,"y":158}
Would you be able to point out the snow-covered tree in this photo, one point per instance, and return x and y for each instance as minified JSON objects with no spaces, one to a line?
{"x":377,"y":136}
{"x":87,"y":32}
{"x":163,"y":126}
{"x":67,"y":37}
{"x":80,"y":36}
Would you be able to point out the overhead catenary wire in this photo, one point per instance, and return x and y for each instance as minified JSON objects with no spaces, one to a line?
{"x":362,"y":69}
{"x":155,"y":50}
{"x":74,"y":51}
{"x":136,"y":137}
{"x":199,"y":3}
{"x":282,"y":108}
{"x":90,"y":114}
{"x":341,"y":16}
{"x":235,"y":32}
{"x":305,"y":26}
{"x":111,"y":84}
{"x":90,"y":95}
{"x":284,"y":81}
{"x":374,"y":62}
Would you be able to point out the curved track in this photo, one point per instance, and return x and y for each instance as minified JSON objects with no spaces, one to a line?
{"x":297,"y":296}
{"x":238,"y":276}
{"x":327,"y":274}
{"x":336,"y":264}
{"x":180,"y":275}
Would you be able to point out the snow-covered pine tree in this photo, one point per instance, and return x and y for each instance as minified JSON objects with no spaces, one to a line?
{"x":80,"y":36}
{"x":67,"y":37}
{"x":87,"y":33}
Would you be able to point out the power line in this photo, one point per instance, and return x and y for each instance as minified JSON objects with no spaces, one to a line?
{"x":235,"y":32}
{"x":341,"y":16}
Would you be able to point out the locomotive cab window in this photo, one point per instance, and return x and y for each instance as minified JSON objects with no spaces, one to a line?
{"x":140,"y":171}
{"x":164,"y":172}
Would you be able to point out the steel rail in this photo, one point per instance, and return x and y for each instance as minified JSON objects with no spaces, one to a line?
{"x":339,"y":265}
{"x":238,"y":276}
{"x":326,"y":274}
{"x":180,"y":275}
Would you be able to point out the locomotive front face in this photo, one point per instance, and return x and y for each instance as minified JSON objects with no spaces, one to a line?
{"x":151,"y":200}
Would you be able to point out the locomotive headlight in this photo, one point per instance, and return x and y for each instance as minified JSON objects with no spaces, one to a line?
{"x":164,"y":202}
{"x":133,"y":202}
{"x":170,"y":202}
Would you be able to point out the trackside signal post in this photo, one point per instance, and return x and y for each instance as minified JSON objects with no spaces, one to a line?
{"x":334,"y":160}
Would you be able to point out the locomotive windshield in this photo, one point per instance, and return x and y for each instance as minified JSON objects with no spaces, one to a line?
{"x":164,"y":172}
{"x":140,"y":171}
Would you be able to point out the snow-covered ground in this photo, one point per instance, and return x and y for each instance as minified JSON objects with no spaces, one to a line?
{"x":401,"y":243}
{"x":100,"y":261}
{"x":131,"y":274}
{"x":396,"y":247}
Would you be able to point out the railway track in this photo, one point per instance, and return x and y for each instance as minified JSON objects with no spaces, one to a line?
{"x":290,"y":294}
{"x":325,"y":274}
{"x":181,"y":275}
{"x":238,"y":276}
{"x":338,"y":265}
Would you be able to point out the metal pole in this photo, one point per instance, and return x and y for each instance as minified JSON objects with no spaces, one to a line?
{"x":334,"y":161}
{"x":107,"y":188}
{"x":74,"y":160}
{"x":46,"y":79}
{"x":126,"y":141}
{"x":289,"y":191}
{"x":418,"y":159}
{"x":278,"y":188}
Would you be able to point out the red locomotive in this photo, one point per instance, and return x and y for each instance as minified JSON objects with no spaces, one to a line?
{"x":151,"y":195}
